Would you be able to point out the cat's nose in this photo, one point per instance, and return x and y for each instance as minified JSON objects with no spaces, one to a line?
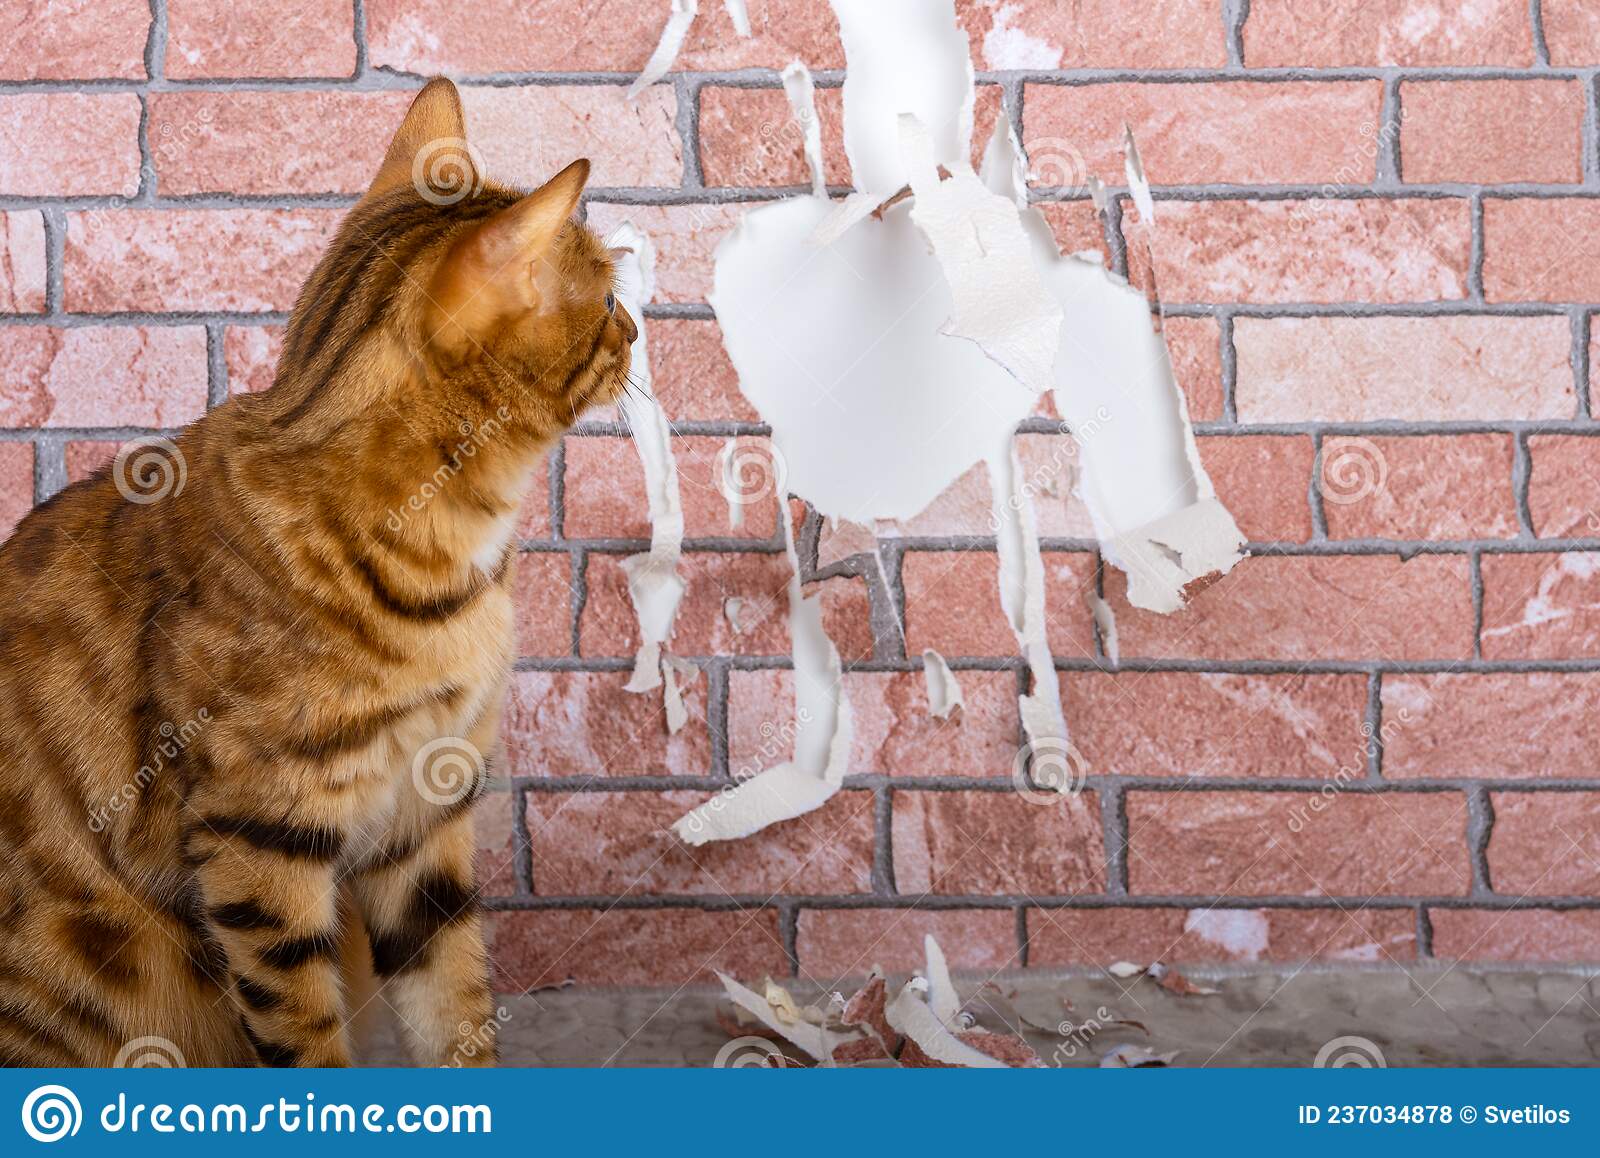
{"x":625,"y":320}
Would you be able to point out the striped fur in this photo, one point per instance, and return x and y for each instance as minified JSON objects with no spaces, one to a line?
{"x":217,"y":703}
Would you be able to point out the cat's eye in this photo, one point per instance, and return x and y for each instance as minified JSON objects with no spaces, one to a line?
{"x":611,"y":303}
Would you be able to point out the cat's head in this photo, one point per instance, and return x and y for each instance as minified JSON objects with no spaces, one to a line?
{"x":489,"y":300}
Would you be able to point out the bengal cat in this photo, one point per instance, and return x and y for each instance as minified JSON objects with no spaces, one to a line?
{"x":216,"y":809}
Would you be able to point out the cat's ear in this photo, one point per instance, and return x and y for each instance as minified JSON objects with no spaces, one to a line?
{"x":430,"y":149}
{"x":499,"y":267}
{"x":528,"y":228}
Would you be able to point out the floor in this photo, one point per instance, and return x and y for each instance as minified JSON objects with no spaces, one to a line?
{"x":1352,"y":1017}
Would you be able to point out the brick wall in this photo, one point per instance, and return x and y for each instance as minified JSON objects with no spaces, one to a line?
{"x":1379,"y":231}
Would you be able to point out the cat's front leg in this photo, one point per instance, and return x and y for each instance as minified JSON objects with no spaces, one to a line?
{"x":269,"y":884}
{"x":419,"y":900}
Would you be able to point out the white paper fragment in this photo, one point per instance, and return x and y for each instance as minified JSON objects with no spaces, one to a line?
{"x":1106,"y":620}
{"x":1022,"y":599}
{"x":911,"y":1016}
{"x":844,"y":216}
{"x":802,"y":94}
{"x":672,"y":37}
{"x":739,"y":16}
{"x":942,"y":996}
{"x":903,"y":56}
{"x":821,"y":745}
{"x":1138,"y":187}
{"x":1000,"y":302}
{"x":676,"y":674}
{"x":1124,"y":969}
{"x":818,"y":1042}
{"x":654,"y":586}
{"x":944,"y":690}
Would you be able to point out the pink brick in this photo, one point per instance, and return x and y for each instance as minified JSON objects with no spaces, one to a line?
{"x":64,"y":144}
{"x":1093,"y":34}
{"x":1416,"y":369}
{"x":1203,"y":724}
{"x":1357,"y":33}
{"x":693,"y":379}
{"x":703,"y":626}
{"x":615,"y":946}
{"x":496,"y":861}
{"x":1064,"y":937}
{"x":192,"y":259}
{"x":686,"y":238}
{"x":533,"y":522}
{"x":894,"y":732}
{"x":205,"y":142}
{"x":1541,"y":606}
{"x":620,"y":844}
{"x":1443,"y":487}
{"x":937,"y":583}
{"x":16,"y":484}
{"x":1541,"y":250}
{"x":1489,"y":131}
{"x":432,"y":36}
{"x":272,"y":38}
{"x":84,"y":457}
{"x":1195,"y":345}
{"x":1564,"y":485}
{"x":1299,"y":607}
{"x":102,"y":375}
{"x":1545,"y":936}
{"x":1455,"y":724}
{"x":1234,"y":132}
{"x":583,"y":724}
{"x":975,"y":843}
{"x":1545,"y":844}
{"x":22,"y":262}
{"x":1571,"y":31}
{"x":251,"y":353}
{"x":543,"y":593}
{"x":839,"y":943}
{"x":749,"y":138}
{"x":1076,"y":225}
{"x":1298,"y":844}
{"x":605,"y":492}
{"x":1364,"y":250}
{"x":1263,"y":480}
{"x":75,"y":39}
